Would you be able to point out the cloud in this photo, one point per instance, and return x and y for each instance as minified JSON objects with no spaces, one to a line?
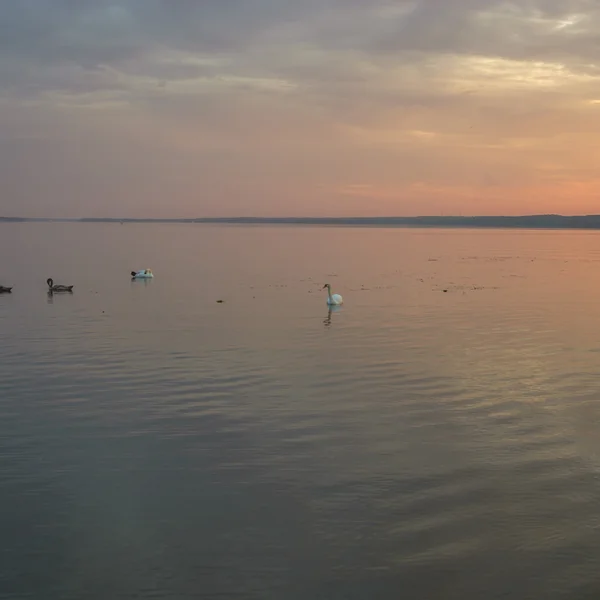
{"x":377,"y":50}
{"x":298,"y":98}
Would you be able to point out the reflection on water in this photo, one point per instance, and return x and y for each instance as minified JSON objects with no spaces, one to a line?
{"x":156,"y":443}
{"x":51,"y":293}
{"x":141,"y":280}
{"x":331,"y":309}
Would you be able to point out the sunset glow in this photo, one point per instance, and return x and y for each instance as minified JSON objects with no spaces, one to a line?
{"x":281,"y":108}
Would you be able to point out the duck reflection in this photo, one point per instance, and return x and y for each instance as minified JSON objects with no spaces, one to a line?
{"x":141,"y":281}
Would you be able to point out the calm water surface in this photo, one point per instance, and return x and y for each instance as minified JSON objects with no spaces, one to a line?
{"x":418,"y":443}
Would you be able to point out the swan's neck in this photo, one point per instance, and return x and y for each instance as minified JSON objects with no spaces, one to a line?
{"x":329,"y":292}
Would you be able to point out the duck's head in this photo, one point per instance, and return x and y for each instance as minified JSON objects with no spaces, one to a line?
{"x":133,"y":273}
{"x":50,"y":282}
{"x":326,"y":286}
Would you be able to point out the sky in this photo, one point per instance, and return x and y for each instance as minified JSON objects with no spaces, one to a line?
{"x":190,"y":108}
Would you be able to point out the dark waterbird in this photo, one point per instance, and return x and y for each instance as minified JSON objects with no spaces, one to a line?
{"x":58,"y":288}
{"x":5,"y":290}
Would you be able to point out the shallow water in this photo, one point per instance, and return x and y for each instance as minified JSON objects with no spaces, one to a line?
{"x":417,"y":443}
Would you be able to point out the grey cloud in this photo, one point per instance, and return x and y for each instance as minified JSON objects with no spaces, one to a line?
{"x":512,"y":30}
{"x":47,"y":32}
{"x":99,"y":32}
{"x":267,"y":37}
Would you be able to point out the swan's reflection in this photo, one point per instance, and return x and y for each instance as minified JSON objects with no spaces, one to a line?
{"x":331,"y":309}
{"x":51,"y":294}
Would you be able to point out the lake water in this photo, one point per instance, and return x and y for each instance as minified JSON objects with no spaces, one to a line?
{"x":416,"y":444}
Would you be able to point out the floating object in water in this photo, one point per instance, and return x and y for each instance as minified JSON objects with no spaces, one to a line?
{"x":332,"y":300}
{"x":5,"y":290}
{"x":58,"y":288}
{"x":143,"y":274}
{"x":220,"y":301}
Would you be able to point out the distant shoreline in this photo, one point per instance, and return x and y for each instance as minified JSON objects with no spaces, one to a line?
{"x":499,"y":222}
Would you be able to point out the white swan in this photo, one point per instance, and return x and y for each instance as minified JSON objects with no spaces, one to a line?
{"x":143,"y":274}
{"x":332,"y":300}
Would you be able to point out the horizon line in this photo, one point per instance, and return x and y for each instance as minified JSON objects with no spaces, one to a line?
{"x":308,"y":217}
{"x":523,"y":222}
